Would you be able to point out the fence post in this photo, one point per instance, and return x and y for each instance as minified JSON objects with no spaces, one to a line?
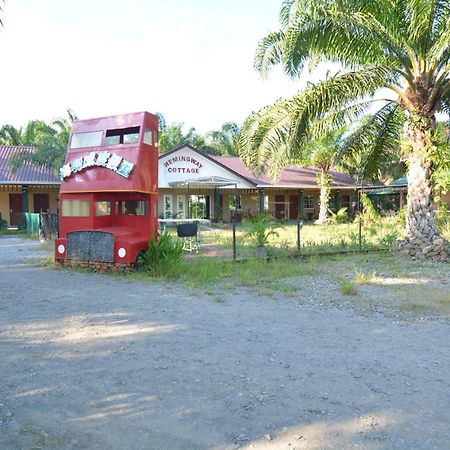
{"x":299,"y":226}
{"x":234,"y":236}
{"x":360,"y":232}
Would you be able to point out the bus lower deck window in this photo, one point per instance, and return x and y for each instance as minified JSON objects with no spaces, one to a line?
{"x":132,"y":207}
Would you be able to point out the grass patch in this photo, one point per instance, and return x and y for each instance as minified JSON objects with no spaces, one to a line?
{"x":428,"y":300}
{"x":266,"y":292}
{"x":348,"y":288}
{"x":22,"y":233}
{"x":364,"y":278}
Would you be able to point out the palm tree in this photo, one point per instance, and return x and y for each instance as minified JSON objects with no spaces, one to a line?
{"x":10,"y":135}
{"x":401,"y":46}
{"x":224,"y":141}
{"x":321,"y":153}
{"x":51,"y":141}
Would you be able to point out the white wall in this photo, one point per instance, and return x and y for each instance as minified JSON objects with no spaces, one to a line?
{"x":186,"y":164}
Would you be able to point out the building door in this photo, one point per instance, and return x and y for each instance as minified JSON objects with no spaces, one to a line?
{"x":293,"y":207}
{"x":280,"y":207}
{"x":15,"y":209}
{"x":41,"y":203}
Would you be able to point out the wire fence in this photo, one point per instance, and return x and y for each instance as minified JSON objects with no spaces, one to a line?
{"x":268,"y":238}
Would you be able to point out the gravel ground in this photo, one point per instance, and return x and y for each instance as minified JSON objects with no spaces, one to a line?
{"x":92,"y":361}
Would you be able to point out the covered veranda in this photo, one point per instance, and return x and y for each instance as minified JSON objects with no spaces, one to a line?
{"x":213,"y":191}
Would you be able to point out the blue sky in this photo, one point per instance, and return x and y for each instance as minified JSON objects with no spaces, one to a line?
{"x":190,"y":60}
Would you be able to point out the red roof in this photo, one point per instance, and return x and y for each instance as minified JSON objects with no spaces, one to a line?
{"x":28,"y":173}
{"x":293,"y":176}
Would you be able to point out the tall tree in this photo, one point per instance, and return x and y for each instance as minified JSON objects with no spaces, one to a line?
{"x":321,"y":153}
{"x":173,"y":135}
{"x":51,"y":141}
{"x":399,"y":45}
{"x":224,"y":141}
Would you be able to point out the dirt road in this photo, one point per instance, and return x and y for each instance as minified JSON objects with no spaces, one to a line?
{"x":92,"y":361}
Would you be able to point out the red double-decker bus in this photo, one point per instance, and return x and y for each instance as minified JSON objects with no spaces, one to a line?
{"x":109,"y":190}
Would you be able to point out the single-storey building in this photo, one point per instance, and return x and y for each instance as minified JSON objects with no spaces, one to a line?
{"x":192,"y":184}
{"x":29,"y":189}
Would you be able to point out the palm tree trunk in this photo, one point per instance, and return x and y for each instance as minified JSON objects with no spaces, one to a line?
{"x":422,"y":238}
{"x":420,"y":223}
{"x":323,"y":179}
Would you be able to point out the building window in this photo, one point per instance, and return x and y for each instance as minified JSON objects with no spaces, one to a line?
{"x":102,"y":209}
{"x":75,"y":208}
{"x":148,"y":136}
{"x":235,"y":202}
{"x":198,"y":207}
{"x":132,"y":207}
{"x":181,"y":206}
{"x":266,"y":203}
{"x":82,"y":140}
{"x":167,"y":207}
{"x":122,"y":136}
{"x":309,"y":202}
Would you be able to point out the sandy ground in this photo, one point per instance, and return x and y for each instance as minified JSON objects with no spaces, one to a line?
{"x":91,"y":361}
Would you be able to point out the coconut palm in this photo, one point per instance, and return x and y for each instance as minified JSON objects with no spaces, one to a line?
{"x":401,"y":46}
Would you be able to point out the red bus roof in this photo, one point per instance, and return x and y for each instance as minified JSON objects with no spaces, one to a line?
{"x":114,"y":153}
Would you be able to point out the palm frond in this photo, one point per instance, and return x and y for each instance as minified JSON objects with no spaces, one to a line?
{"x":268,"y":53}
{"x":375,"y":139}
{"x":279,"y":134}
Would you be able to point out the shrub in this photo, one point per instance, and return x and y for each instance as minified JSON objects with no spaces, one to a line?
{"x":369,"y":214}
{"x":260,"y":229}
{"x":348,"y":288}
{"x":340,"y":216}
{"x":163,"y":255}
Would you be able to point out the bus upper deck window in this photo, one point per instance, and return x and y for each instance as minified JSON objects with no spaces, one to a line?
{"x":122,"y":136}
{"x":89,"y":139}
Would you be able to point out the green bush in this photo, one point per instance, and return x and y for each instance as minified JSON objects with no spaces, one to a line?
{"x":369,"y":214}
{"x":163,"y":256}
{"x":260,"y":229}
{"x":340,"y":216}
{"x":3,"y":224}
{"x":348,"y":287}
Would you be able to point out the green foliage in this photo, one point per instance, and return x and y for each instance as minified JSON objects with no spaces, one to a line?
{"x":260,"y":229}
{"x":163,"y":256}
{"x":340,"y":216}
{"x":401,"y":216}
{"x":443,"y":220}
{"x":441,"y":160}
{"x":369,"y":214}
{"x":50,"y":140}
{"x":174,"y":135}
{"x":348,"y":287}
{"x":224,"y":141}
{"x":381,"y":45}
